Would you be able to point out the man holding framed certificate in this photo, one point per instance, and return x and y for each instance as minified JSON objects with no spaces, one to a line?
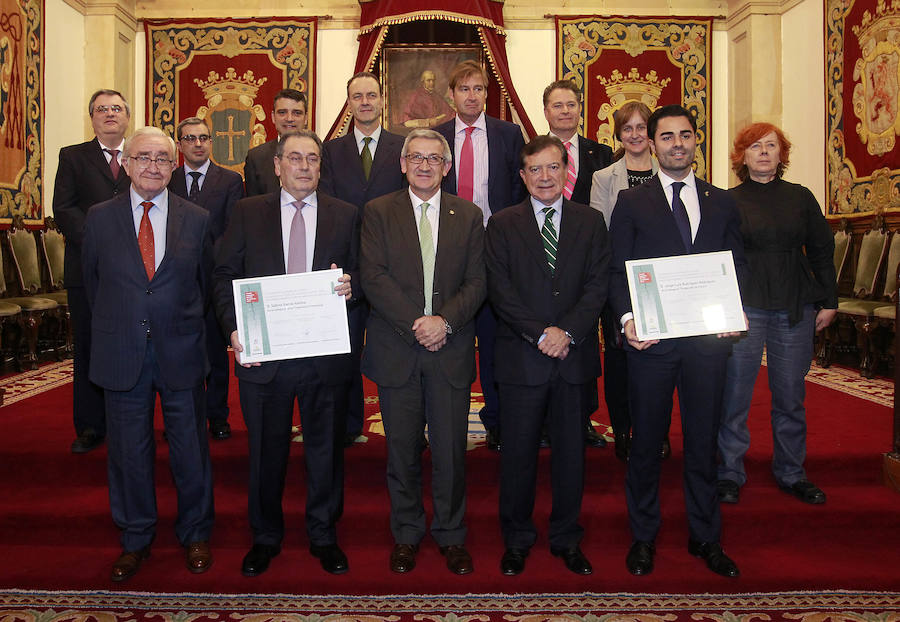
{"x":671,"y":215}
{"x":294,"y":230}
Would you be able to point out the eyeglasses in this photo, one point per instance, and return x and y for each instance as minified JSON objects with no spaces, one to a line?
{"x":418,"y":158}
{"x":190,"y":138}
{"x":145,"y":161}
{"x":116,"y":108}
{"x":296,"y":158}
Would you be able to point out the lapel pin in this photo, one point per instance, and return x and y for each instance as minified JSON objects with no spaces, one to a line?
{"x":452,"y":212}
{"x":706,"y":194}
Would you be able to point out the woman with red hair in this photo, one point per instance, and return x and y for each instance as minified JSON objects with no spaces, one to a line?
{"x":791,"y":293}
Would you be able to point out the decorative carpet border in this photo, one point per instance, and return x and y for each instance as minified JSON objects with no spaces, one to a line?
{"x":584,"y":602}
{"x":30,"y":383}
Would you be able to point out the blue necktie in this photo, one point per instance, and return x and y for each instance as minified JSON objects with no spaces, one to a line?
{"x":681,"y":216}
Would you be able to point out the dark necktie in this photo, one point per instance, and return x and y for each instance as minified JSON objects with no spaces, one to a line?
{"x":145,"y":241}
{"x":113,"y":162}
{"x":366,"y":156}
{"x":681,"y":216}
{"x":194,"y":192}
{"x":548,"y":235}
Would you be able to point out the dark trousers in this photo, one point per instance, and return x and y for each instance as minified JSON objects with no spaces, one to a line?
{"x":486,"y":331}
{"x":356,"y":402}
{"x":268,"y":410}
{"x":427,"y":397}
{"x":88,"y":407}
{"x":131,"y":457}
{"x":219,"y":372}
{"x":653,"y":377}
{"x":615,"y":375}
{"x":521,"y":417}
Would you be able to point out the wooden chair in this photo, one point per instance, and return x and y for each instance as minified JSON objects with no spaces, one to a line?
{"x":10,"y":318}
{"x":843,"y":242}
{"x":37,"y":310}
{"x":53,"y":251}
{"x":880,"y":330}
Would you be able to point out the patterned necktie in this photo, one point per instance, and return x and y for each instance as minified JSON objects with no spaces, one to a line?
{"x":113,"y":162}
{"x":145,"y":241}
{"x":297,"y":240}
{"x":548,"y":235}
{"x":366,"y":156}
{"x":426,"y":241}
{"x":681,"y":216}
{"x":194,"y":192}
{"x":570,"y":175}
{"x":466,"y":185}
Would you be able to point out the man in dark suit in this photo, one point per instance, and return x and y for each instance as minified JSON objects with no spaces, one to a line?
{"x":88,"y":173}
{"x":216,"y":190}
{"x":562,"y":109}
{"x":289,"y":110}
{"x":422,"y":267}
{"x":147,"y":256}
{"x":485,"y":170}
{"x":356,"y":168}
{"x":294,"y":230}
{"x":673,"y":214}
{"x":547,"y":261}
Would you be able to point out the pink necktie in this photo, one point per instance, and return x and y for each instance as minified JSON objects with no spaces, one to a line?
{"x":297,"y":241}
{"x":145,"y":242}
{"x":113,"y":162}
{"x":571,"y":176}
{"x":466,"y":185}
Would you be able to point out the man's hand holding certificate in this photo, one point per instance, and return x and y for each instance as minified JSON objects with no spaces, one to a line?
{"x":290,"y":316}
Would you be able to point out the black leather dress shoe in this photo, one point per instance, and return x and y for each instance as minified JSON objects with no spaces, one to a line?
{"x":728,"y":491}
{"x":622,"y":445}
{"x":640,"y":558}
{"x":332,"y":558}
{"x":403,"y":557}
{"x":592,"y":439}
{"x":715,"y":557}
{"x":219,"y":429}
{"x":86,"y":441}
{"x":458,"y":559}
{"x":128,"y":563}
{"x":574,"y":560}
{"x":257,"y":560}
{"x":513,"y":562}
{"x":806,"y":491}
{"x":492,"y":438}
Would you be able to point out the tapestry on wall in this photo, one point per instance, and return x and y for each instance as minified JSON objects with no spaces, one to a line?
{"x":21,"y":109}
{"x":227,"y":72}
{"x":862,"y":77}
{"x":658,"y":61}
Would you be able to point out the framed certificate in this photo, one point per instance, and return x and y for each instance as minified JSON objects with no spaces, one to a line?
{"x":290,"y":316}
{"x":685,"y":295}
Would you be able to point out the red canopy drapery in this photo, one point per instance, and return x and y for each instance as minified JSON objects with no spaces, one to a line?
{"x":377,"y":16}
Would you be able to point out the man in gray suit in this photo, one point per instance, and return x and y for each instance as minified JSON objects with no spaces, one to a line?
{"x":422,"y":268}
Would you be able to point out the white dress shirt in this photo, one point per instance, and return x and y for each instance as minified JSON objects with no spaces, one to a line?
{"x":188,"y":180}
{"x":310,"y":218}
{"x":688,"y":197}
{"x":480,"y":153}
{"x":573,"y":154}
{"x":434,"y":209}
{"x":360,"y":140}
{"x":158,"y":215}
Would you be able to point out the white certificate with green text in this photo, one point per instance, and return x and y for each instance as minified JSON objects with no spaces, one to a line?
{"x":290,"y":316}
{"x":685,"y":295}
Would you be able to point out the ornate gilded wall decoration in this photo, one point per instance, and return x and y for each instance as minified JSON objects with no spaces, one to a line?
{"x":645,"y":59}
{"x":21,"y":110}
{"x":862,"y":71}
{"x":227,"y":72}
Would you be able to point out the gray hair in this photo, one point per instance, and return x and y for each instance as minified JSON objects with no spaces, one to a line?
{"x":148,"y":130}
{"x":110,"y":92}
{"x":430,"y":135}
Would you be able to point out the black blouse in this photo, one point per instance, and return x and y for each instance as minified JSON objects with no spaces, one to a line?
{"x":789,"y":248}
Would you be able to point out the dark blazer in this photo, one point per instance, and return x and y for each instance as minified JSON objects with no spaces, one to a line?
{"x":83,"y":179}
{"x":643,"y":226}
{"x":342,"y":173}
{"x":253,"y":246}
{"x":221,"y":189}
{"x":126,"y":306}
{"x":592,"y":157}
{"x":505,"y":144}
{"x":259,"y":170}
{"x":527,"y":298}
{"x":391,"y":272}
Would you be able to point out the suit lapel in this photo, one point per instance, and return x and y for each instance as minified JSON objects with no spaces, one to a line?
{"x":324,"y":231}
{"x":706,"y":207}
{"x":125,"y":224}
{"x":409,"y":234}
{"x":177,"y":183}
{"x":568,"y":234}
{"x":661,"y":206}
{"x":526,"y":225}
{"x":98,"y":159}
{"x":174,"y":227}
{"x":379,"y":160}
{"x":212,"y":178}
{"x":269,"y":224}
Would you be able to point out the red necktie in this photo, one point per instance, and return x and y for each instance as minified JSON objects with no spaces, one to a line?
{"x":145,"y":242}
{"x":466,"y":185}
{"x":113,"y":162}
{"x":570,"y":175}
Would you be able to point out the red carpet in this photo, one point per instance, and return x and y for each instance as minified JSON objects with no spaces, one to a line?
{"x":56,"y":532}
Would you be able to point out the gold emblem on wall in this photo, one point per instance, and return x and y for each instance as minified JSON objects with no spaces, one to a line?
{"x":623,"y":88}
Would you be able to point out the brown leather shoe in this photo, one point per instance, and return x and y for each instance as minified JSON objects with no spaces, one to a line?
{"x":198,"y":557}
{"x":128,"y":564}
{"x":403,"y":557}
{"x":458,"y":559}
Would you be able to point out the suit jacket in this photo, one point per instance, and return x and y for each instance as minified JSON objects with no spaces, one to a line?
{"x":221,"y":189}
{"x":128,"y":310}
{"x":83,"y":179}
{"x":259,"y":170}
{"x":592,"y":156}
{"x":643,"y":226}
{"x":608,"y":183}
{"x":342,"y":173}
{"x":253,"y":246}
{"x":527,"y":298}
{"x":505,"y":144}
{"x":391,"y":272}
